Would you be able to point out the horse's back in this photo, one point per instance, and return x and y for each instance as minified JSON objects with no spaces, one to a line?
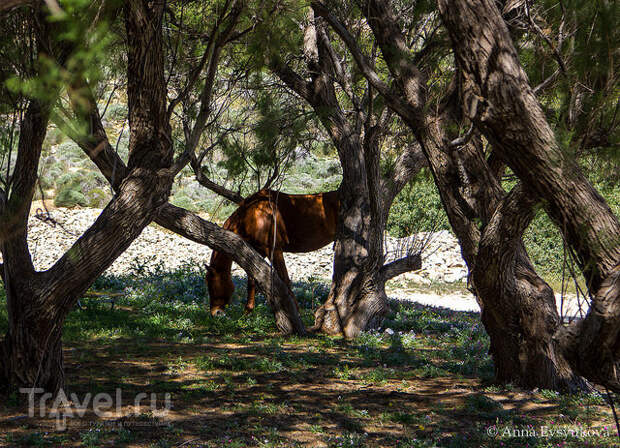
{"x":304,"y":222}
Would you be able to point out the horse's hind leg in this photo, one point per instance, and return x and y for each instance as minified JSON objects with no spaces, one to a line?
{"x":249,"y":304}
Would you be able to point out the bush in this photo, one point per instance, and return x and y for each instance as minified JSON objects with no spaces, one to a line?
{"x":543,"y":239}
{"x":70,"y":196}
{"x":82,"y":188}
{"x":116,"y":111}
{"x":97,"y":198}
{"x":417,"y":208}
{"x":69,"y":151}
{"x":313,"y":175}
{"x":183,"y":201}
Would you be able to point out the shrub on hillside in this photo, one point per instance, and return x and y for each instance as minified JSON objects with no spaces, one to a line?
{"x":313,"y":175}
{"x":116,"y":111}
{"x":83,"y":188}
{"x":69,"y":152}
{"x":97,"y":198}
{"x":70,"y":196}
{"x":417,"y":208}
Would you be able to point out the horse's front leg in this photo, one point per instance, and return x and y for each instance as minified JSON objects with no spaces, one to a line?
{"x":249,"y":304}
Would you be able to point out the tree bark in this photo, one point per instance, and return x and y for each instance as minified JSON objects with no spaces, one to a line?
{"x":523,"y":319}
{"x":38,"y":302}
{"x":503,"y":106}
{"x":31,"y":341}
{"x":518,"y":308}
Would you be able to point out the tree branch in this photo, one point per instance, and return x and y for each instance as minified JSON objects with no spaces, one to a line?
{"x":14,"y":222}
{"x":462,"y":140}
{"x":408,"y":164}
{"x":293,"y":80}
{"x":543,"y":36}
{"x":394,"y":101}
{"x":543,"y":85}
{"x":10,"y":4}
{"x":406,"y":264}
{"x":197,"y":229}
{"x":216,"y":188}
{"x":217,"y":43}
{"x":193,"y":227}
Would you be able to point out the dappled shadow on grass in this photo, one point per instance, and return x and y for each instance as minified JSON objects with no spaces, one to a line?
{"x":235,"y":382}
{"x":271,"y":393}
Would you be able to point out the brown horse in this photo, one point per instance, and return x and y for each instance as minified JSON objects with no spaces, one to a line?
{"x":303,"y":223}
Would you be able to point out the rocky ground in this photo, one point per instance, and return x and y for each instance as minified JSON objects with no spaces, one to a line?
{"x":156,"y":247}
{"x":49,"y":239}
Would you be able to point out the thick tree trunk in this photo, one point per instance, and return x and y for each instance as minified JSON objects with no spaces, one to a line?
{"x":501,"y":102}
{"x":523,"y":318}
{"x":357,"y":299}
{"x":518,"y":308}
{"x":38,"y":302}
{"x":503,"y":105}
{"x":32,"y":349}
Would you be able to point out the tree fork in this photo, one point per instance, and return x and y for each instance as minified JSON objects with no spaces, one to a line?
{"x":510,"y":116}
{"x":478,"y":195}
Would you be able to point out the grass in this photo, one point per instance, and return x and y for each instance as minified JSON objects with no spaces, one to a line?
{"x":235,"y":382}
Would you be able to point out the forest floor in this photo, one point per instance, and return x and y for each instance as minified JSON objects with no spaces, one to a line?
{"x":234,"y":382}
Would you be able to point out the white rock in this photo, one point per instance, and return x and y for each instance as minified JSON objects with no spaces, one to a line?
{"x":441,"y":260}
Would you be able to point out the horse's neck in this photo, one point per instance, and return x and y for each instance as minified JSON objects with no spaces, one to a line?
{"x":221,"y":262}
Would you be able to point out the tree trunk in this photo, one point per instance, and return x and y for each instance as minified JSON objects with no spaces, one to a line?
{"x":38,"y":302}
{"x":522,"y":319}
{"x":357,"y":300}
{"x":518,"y":308}
{"x":32,"y":349}
{"x":503,"y":105}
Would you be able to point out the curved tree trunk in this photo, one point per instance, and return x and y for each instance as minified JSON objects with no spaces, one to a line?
{"x":518,"y":308}
{"x":522,"y":319}
{"x":504,"y":107}
{"x":38,"y":302}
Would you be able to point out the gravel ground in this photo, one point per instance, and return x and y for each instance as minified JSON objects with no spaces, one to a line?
{"x":467,"y":302}
{"x":157,"y":247}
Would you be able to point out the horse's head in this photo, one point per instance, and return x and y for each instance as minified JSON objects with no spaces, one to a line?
{"x":221,"y":288}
